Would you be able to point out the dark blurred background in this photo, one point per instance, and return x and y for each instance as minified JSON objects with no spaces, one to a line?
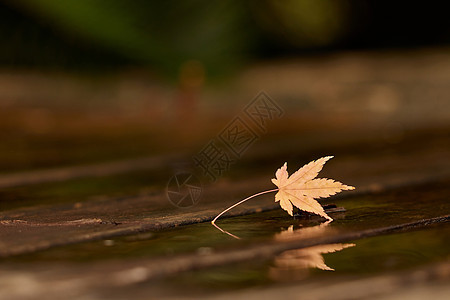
{"x":222,"y":35}
{"x":90,"y":81}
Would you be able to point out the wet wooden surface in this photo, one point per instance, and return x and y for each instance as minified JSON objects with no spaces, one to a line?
{"x":41,"y":226}
{"x":72,"y":175}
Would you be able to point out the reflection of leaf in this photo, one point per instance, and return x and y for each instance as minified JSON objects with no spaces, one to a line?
{"x":310,"y":257}
{"x":304,"y":232}
{"x":294,"y":264}
{"x":301,"y":189}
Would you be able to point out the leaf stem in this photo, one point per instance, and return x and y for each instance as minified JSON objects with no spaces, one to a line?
{"x":236,"y":204}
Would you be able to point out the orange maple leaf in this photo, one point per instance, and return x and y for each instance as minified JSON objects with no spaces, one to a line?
{"x":302,"y":188}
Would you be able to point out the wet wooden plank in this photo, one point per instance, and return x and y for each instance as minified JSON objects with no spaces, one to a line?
{"x":418,"y":283}
{"x":126,"y":215}
{"x":41,"y":228}
{"x":75,"y":280}
{"x":92,"y":170}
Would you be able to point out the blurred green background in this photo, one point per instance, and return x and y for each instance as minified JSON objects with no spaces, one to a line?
{"x":222,"y":35}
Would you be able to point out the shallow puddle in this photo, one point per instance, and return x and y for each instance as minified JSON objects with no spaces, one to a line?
{"x":376,"y":255}
{"x":364,"y":212}
{"x":318,"y":265}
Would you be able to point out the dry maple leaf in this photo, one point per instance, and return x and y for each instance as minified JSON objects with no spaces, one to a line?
{"x":302,"y":188}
